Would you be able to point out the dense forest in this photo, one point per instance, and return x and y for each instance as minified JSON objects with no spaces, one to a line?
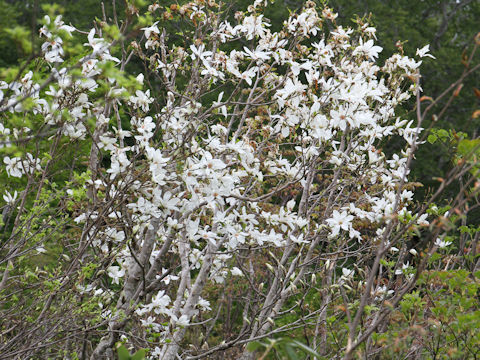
{"x":239,"y":180}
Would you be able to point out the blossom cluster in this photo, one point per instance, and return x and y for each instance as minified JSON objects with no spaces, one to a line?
{"x":293,"y":110}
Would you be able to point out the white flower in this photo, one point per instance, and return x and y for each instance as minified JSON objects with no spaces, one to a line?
{"x":347,"y":274}
{"x":442,"y":244}
{"x":53,"y":50}
{"x":291,"y":204}
{"x":181,"y":321}
{"x":369,"y":30}
{"x":329,"y":14}
{"x":380,"y":292}
{"x":141,"y":100}
{"x":198,"y":52}
{"x":258,"y":55}
{"x":291,"y":87}
{"x":9,"y":198}
{"x":252,"y":26}
{"x":423,"y":52}
{"x":61,"y":25}
{"x":166,"y":280}
{"x":146,"y":126}
{"x":335,"y":160}
{"x":368,"y":49}
{"x":160,"y":303}
{"x":204,"y":304}
{"x":403,"y":269}
{"x":247,"y":75}
{"x":114,"y":235}
{"x":339,"y":221}
{"x":116,"y":273}
{"x":169,"y":202}
{"x":338,"y":120}
{"x":98,"y":44}
{"x":223,"y":108}
{"x":208,"y":236}
{"x":53,"y":46}
{"x":236,"y":271}
{"x":422,"y":220}
{"x":41,"y":249}
{"x":151,"y":29}
{"x":14,"y":166}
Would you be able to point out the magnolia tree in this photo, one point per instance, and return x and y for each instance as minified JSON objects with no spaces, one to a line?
{"x":234,"y":190}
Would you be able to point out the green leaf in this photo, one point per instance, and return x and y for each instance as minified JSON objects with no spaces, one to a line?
{"x":290,"y":352}
{"x":442,"y":133}
{"x":255,"y":345}
{"x":123,"y":353}
{"x":22,"y":37}
{"x":139,"y":355}
{"x":432,"y":138}
{"x":468,"y":147}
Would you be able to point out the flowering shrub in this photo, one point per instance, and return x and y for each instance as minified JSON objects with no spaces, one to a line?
{"x":240,"y":175}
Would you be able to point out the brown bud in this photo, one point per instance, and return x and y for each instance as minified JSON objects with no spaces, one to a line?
{"x":457,"y":90}
{"x":477,"y":39}
{"x":425,"y":98}
{"x":477,"y":92}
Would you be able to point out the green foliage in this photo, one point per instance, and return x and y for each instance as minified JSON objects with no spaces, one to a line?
{"x":442,"y":317}
{"x":124,"y":354}
{"x":21,"y":36}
